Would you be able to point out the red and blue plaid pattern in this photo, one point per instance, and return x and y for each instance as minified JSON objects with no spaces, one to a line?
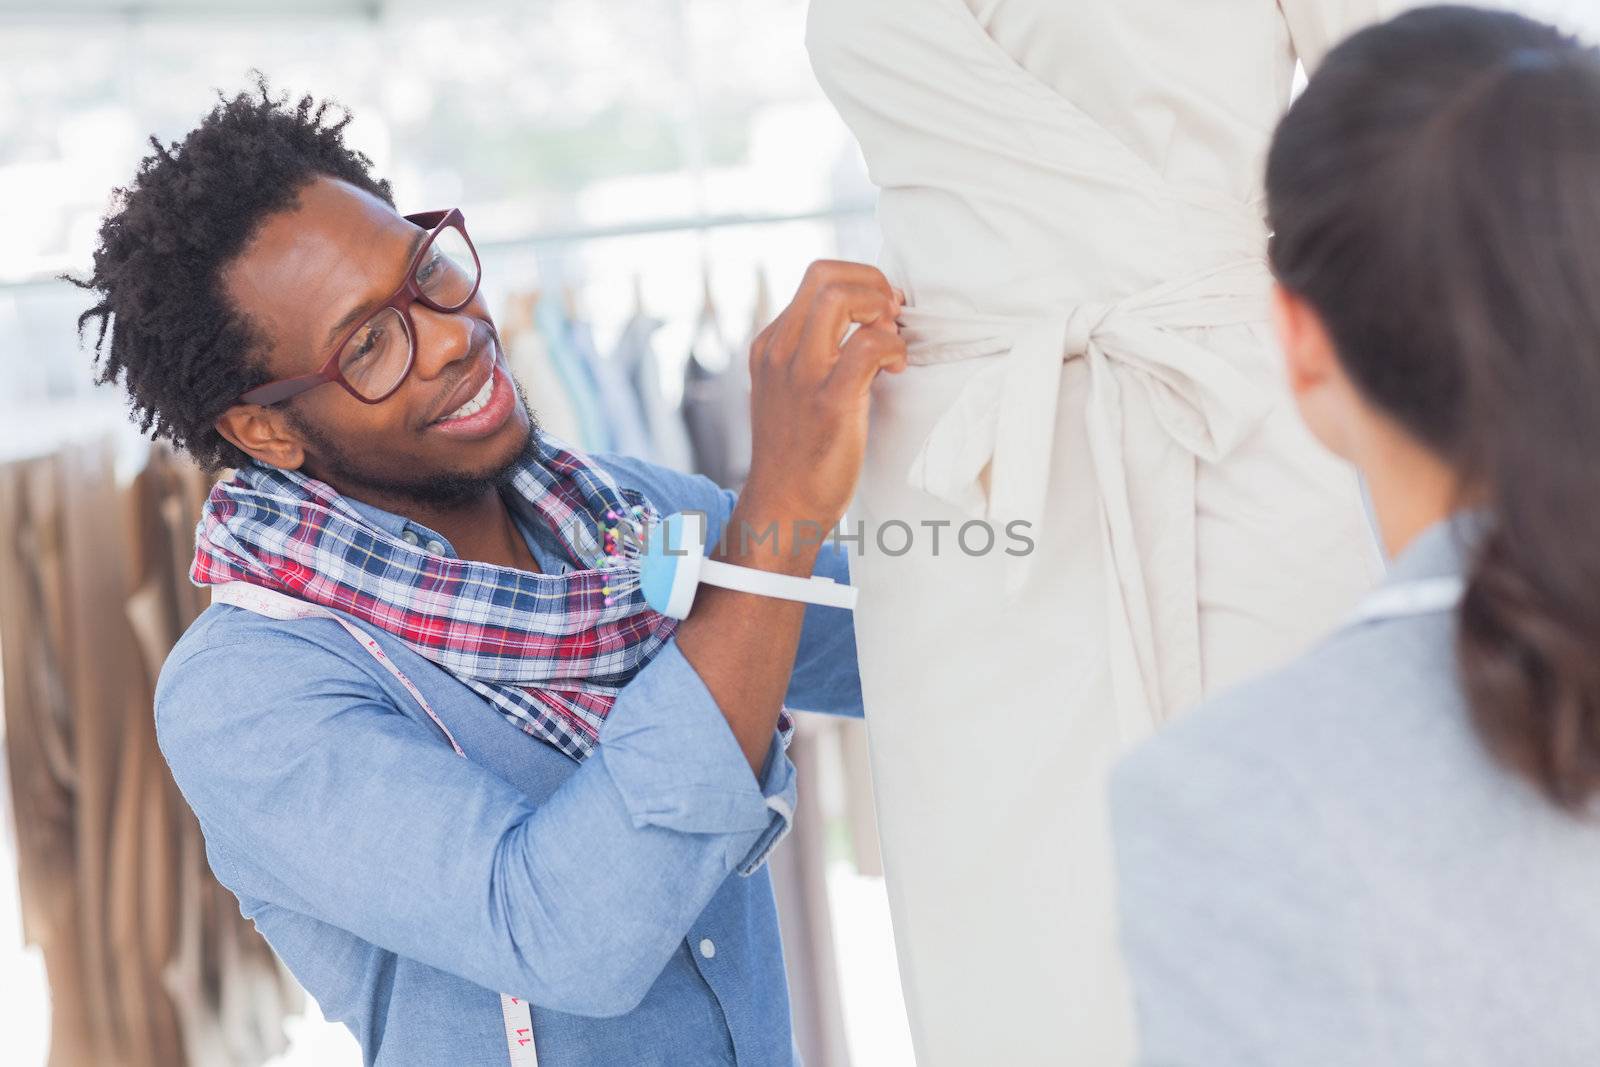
{"x":547,"y":650}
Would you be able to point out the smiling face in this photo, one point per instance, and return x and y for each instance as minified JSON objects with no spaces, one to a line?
{"x":306,"y":276}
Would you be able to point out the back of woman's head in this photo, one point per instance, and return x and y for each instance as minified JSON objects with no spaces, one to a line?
{"x":1434,"y":195}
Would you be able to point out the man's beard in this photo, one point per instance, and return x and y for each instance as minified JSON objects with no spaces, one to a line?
{"x":440,"y":490}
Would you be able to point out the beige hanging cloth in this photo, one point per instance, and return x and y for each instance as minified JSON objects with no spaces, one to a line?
{"x":1070,"y":200}
{"x":39,"y":751}
{"x":150,"y":963}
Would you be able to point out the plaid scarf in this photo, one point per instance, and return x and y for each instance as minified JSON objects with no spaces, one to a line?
{"x":549,"y":651}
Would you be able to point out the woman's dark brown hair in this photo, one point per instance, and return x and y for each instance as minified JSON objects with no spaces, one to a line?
{"x":1434,"y":195}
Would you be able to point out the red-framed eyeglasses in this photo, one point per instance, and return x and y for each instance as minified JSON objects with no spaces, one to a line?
{"x":374,"y":357}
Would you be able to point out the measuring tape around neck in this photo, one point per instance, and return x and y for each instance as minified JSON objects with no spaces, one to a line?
{"x":514,"y":1011}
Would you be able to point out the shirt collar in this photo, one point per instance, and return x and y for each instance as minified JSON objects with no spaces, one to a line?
{"x":543,"y":543}
{"x":397,"y":526}
{"x":387,"y":521}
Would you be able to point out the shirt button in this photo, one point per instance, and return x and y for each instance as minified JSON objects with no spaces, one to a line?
{"x":410,"y":537}
{"x":707,"y":949}
{"x":436,"y":547}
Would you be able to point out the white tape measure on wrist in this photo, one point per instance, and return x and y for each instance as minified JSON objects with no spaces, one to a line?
{"x":673,"y":565}
{"x":514,"y":1011}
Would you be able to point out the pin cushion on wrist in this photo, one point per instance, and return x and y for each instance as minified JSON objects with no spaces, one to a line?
{"x":667,"y":562}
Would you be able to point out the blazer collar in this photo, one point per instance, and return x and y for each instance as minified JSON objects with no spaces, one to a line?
{"x":1440,"y":550}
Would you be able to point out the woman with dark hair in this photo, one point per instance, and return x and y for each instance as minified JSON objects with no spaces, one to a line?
{"x":1388,"y":852}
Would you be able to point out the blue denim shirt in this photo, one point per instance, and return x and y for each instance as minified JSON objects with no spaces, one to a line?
{"x":406,"y":887}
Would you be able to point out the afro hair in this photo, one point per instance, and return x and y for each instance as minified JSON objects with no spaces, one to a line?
{"x":182,"y":352}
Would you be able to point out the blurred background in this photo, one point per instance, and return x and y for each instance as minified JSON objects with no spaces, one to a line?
{"x":646,"y":181}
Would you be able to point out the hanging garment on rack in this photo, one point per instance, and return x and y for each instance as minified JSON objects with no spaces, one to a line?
{"x":716,"y":403}
{"x":703,"y":414}
{"x":805,"y":919}
{"x":635,"y":355}
{"x":149,"y":962}
{"x":619,"y":404}
{"x":39,"y":751}
{"x":529,"y":357}
{"x":240,"y":1020}
{"x":1070,"y":199}
{"x":582,"y":389}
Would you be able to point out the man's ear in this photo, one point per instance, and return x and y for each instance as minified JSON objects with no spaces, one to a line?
{"x":263,"y":433}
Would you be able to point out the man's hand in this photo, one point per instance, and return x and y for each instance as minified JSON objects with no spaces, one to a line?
{"x":809,"y":397}
{"x":810,"y":387}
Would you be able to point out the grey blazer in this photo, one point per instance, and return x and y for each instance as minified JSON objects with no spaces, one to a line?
{"x":1324,"y":866}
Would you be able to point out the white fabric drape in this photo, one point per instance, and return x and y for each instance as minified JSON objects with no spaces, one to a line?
{"x":1009,"y":406}
{"x":1070,"y":199}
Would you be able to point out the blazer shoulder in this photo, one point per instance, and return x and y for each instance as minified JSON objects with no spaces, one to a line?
{"x":1326,"y":715}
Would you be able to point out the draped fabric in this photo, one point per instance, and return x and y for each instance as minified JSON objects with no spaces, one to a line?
{"x":1011,"y":404}
{"x":1070,"y":198}
{"x":149,"y":961}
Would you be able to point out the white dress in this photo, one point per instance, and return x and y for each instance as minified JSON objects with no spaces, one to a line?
{"x":1071,"y":201}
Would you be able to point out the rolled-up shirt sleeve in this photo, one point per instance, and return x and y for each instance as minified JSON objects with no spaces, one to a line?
{"x":676,"y":765}
{"x":317,"y":794}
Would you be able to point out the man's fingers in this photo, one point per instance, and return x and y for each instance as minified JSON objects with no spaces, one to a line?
{"x":825,"y":272}
{"x":833,"y":311}
{"x":833,"y":298}
{"x":866,"y":353}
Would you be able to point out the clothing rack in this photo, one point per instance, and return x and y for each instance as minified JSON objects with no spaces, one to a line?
{"x":580,"y":234}
{"x":678,"y":225}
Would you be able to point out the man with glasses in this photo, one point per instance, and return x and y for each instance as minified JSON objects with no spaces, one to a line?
{"x":449,"y":769}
